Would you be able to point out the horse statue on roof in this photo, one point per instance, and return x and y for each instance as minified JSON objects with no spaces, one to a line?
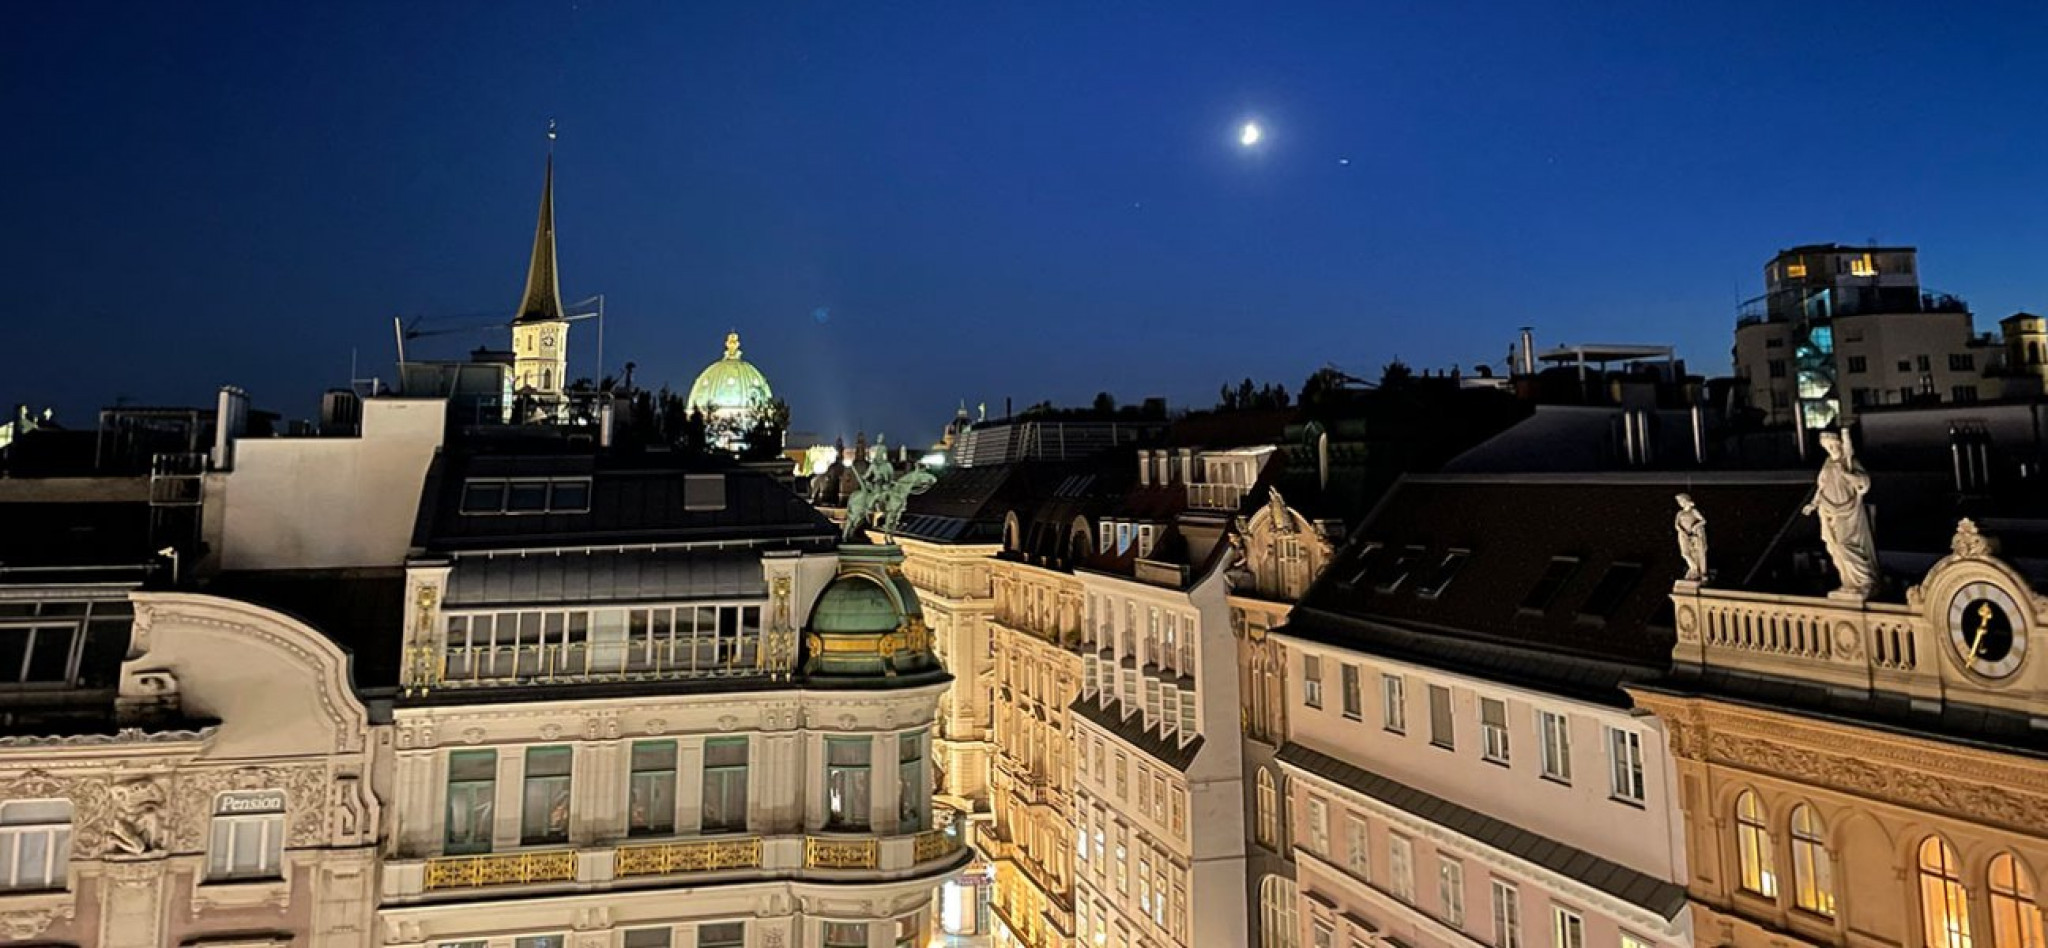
{"x":881,"y":497}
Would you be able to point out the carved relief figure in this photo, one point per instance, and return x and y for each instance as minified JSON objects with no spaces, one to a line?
{"x":1691,"y":526}
{"x":1968,"y":543}
{"x":138,"y":825}
{"x":1844,"y":519}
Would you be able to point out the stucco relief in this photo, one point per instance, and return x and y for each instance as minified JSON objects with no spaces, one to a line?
{"x":137,"y":826}
{"x":91,"y":802}
{"x":306,"y":788}
{"x":255,"y":627}
{"x":1955,"y":792}
{"x":24,"y":924}
{"x":1688,"y":625}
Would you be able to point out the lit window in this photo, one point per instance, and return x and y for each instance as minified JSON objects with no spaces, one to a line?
{"x":2015,"y":915}
{"x":1813,"y":872}
{"x":544,"y":807}
{"x":1631,"y":941}
{"x":1493,"y":729}
{"x":725,"y":784}
{"x":1567,"y":929}
{"x":1795,"y":271}
{"x":35,"y":843}
{"x":651,"y":793}
{"x":1944,"y":904}
{"x":1556,"y":757}
{"x":1625,"y":764}
{"x":248,"y":836}
{"x":846,"y":783}
{"x":1401,"y":865}
{"x":472,"y":799}
{"x":1862,"y":266}
{"x":1507,"y":916}
{"x":1450,"y":892}
{"x":1753,"y":846}
{"x":1312,"y":681}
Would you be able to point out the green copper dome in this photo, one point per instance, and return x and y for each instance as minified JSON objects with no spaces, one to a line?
{"x":856,"y":604}
{"x":731,"y":384}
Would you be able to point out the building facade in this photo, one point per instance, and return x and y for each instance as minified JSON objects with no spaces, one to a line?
{"x":1864,"y":772}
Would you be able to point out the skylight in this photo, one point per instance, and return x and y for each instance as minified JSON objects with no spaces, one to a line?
{"x":1553,"y":580}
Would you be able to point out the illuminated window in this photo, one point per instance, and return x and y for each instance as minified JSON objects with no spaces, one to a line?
{"x":1753,"y":845}
{"x":1312,"y":681}
{"x":1813,"y":872}
{"x":544,"y":804}
{"x":1795,"y":271}
{"x":2015,"y":916}
{"x":1863,"y":266}
{"x":1944,"y":904}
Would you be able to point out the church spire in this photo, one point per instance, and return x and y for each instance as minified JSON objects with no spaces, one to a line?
{"x":543,"y":299}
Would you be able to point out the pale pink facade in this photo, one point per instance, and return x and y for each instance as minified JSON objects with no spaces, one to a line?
{"x":1518,"y":819}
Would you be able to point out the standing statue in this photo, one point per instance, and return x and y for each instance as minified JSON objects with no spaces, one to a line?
{"x":1844,"y":519}
{"x":1692,"y":539}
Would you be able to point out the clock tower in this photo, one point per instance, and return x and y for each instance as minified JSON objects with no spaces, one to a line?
{"x":540,"y":333}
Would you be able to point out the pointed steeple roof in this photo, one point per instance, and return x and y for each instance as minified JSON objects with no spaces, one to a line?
{"x":543,"y":299}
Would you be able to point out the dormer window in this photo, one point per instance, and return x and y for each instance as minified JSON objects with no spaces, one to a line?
{"x":1147,"y":534}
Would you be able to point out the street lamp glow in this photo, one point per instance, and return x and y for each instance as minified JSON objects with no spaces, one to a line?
{"x":1249,"y":135}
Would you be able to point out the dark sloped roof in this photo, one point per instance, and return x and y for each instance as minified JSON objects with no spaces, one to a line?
{"x":631,"y":501}
{"x":1666,"y":899}
{"x":75,"y":534}
{"x":1585,"y":639}
{"x":1131,"y":730}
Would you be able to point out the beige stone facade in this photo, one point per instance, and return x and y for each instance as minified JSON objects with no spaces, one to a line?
{"x":1864,"y":824}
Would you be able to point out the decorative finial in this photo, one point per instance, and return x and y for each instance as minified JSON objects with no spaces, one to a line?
{"x":1969,"y":543}
{"x":551,"y":131}
{"x":732,"y":345}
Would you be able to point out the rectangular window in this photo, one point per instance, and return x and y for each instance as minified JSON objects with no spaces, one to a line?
{"x":569,"y":496}
{"x":1357,"y":848}
{"x":1858,"y":365}
{"x":1324,"y":936}
{"x":1493,"y":729}
{"x":1625,"y":764}
{"x":527,"y":497}
{"x":1556,"y":747}
{"x":1123,"y":777}
{"x":1567,"y":929}
{"x":1318,"y":826}
{"x":1631,"y":941}
{"x":1442,"y":728}
{"x":472,"y":801}
{"x":483,"y":497}
{"x":248,"y":836}
{"x":1777,"y":368}
{"x":1401,"y":867}
{"x":725,"y":785}
{"x":544,"y":806}
{"x":35,"y":844}
{"x":1963,"y":394}
{"x":1393,"y":704}
{"x":846,"y":783}
{"x":845,"y":935}
{"x":1450,"y":892}
{"x":913,"y":792}
{"x":1923,"y":363}
{"x":1507,"y":916}
{"x":1962,"y":363}
{"x":1555,"y":577}
{"x":1353,"y":701}
{"x":1312,"y":681}
{"x":651,"y":797}
{"x":651,"y":938}
{"x":538,"y":941}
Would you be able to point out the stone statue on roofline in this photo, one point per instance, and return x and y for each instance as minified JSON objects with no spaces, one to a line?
{"x":1691,"y":526}
{"x":882,"y":495}
{"x":1844,"y":517}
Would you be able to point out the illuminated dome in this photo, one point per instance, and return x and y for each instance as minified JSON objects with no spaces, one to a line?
{"x":729,"y":385}
{"x":731,"y":394}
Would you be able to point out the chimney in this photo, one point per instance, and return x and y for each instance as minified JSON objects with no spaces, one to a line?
{"x":605,"y":414}
{"x":231,"y":419}
{"x":1528,"y":351}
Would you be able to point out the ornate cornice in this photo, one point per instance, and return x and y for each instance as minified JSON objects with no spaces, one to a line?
{"x":126,"y":735}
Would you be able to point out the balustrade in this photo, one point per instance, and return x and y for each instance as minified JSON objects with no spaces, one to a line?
{"x":653,"y":859}
{"x":458,"y":872}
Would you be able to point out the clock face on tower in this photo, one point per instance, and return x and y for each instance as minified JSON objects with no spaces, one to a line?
{"x":547,"y":340}
{"x":1985,"y":631}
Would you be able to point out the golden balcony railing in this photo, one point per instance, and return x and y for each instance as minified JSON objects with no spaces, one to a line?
{"x":822,"y":852}
{"x":704,"y":855}
{"x":930,"y":845}
{"x":460,"y":872}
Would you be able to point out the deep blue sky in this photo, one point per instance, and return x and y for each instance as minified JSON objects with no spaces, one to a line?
{"x":991,"y":200}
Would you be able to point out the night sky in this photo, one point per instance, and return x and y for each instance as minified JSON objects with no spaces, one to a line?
{"x":904,"y":206}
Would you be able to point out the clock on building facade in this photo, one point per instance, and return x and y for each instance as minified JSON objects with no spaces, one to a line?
{"x":1984,"y":628}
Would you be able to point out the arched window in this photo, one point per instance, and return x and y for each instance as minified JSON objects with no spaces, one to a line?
{"x":1269,"y":810}
{"x":1276,"y":913}
{"x":1813,"y":872}
{"x":1753,"y":845}
{"x":2015,"y":915}
{"x":1944,"y":904}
